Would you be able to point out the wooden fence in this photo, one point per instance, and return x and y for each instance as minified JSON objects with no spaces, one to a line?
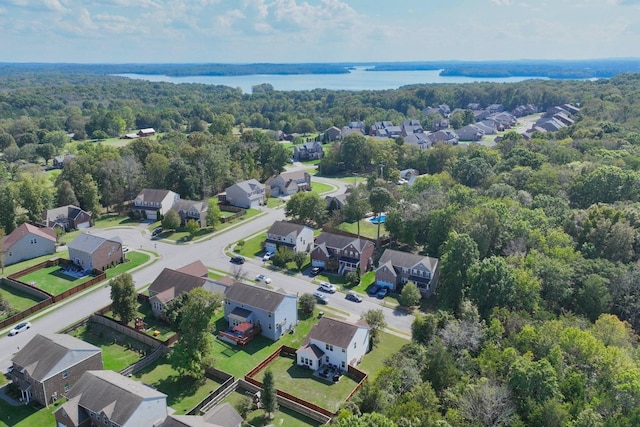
{"x":126,"y":330}
{"x":384,"y":240}
{"x":216,"y":375}
{"x":238,"y":212}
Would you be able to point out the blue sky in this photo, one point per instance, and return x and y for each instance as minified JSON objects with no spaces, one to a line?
{"x":233,"y":31}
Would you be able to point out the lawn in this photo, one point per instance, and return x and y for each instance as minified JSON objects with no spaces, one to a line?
{"x":367,"y":229}
{"x":151,"y":323}
{"x":18,"y":299}
{"x":181,"y":236}
{"x":238,"y":361}
{"x":116,"y":348}
{"x":321,"y":187}
{"x":183,"y":392}
{"x":114,"y":220}
{"x":31,"y":262}
{"x":300,"y":382}
{"x":283,"y":417}
{"x":374,"y":360}
{"x":135,"y":259}
{"x":251,"y":247}
{"x":53,"y":280}
{"x":27,"y":415}
{"x":275,"y":202}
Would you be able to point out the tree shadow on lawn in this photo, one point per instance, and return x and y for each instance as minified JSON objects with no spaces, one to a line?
{"x":179,"y":387}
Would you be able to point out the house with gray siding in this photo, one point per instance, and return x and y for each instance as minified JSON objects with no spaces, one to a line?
{"x":274,"y":311}
{"x":91,"y":252}
{"x":396,"y":268}
{"x":27,"y":242}
{"x":298,"y":238}
{"x":246,"y":194}
{"x":50,"y":365}
{"x":153,"y":203}
{"x":68,"y":218}
{"x":288,"y":183}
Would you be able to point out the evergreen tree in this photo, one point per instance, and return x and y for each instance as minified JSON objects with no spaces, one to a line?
{"x":269,"y":396}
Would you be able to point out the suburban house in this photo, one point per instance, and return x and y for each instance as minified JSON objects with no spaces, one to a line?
{"x":223,"y":415}
{"x":171,"y":283}
{"x":68,"y":217}
{"x":298,"y":238}
{"x":342,"y":253}
{"x":470,"y":133}
{"x":336,"y":202}
{"x":331,"y":134}
{"x":246,"y":194}
{"x":189,"y":210}
{"x":93,"y":252}
{"x":311,"y":150}
{"x":152,"y":203}
{"x":288,"y":183}
{"x":146,"y":132}
{"x":107,"y":398}
{"x":396,"y":268}
{"x":58,"y":161}
{"x":49,"y":365}
{"x":27,"y":242}
{"x":444,"y":137}
{"x":334,"y":342}
{"x":275,"y":312}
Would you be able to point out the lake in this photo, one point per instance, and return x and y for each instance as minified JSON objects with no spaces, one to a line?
{"x":358,"y":79}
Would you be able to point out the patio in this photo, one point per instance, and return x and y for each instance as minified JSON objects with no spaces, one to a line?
{"x":329,"y":373}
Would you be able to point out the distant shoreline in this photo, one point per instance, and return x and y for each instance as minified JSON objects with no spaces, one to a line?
{"x":552,"y":69}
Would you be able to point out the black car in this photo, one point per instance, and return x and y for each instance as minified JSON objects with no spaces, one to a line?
{"x":156,"y":231}
{"x":373,"y":290}
{"x":237,"y":259}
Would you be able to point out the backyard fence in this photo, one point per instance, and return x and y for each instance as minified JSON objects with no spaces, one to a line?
{"x":127,"y":330}
{"x":144,"y":362}
{"x":238,"y":212}
{"x":216,"y":395}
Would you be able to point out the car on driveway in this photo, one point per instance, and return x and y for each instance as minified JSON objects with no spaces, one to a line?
{"x":373,"y":290}
{"x":263,"y":278}
{"x":327,"y":287}
{"x":267,"y":256}
{"x":352,"y":296}
{"x":237,"y":259}
{"x":156,"y":231}
{"x":383,"y":292}
{"x":20,"y":327}
{"x":321,"y":298}
{"x":316,"y":270}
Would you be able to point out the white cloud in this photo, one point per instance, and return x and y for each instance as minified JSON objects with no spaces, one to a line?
{"x":502,"y":2}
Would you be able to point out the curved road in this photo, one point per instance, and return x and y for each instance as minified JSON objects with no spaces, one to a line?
{"x":211,"y":252}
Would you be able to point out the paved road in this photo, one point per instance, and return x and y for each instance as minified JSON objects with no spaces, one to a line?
{"x":212,"y":253}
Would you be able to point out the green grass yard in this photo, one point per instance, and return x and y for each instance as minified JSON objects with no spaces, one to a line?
{"x":116,"y":348}
{"x":31,"y":262}
{"x":135,"y":259}
{"x":367,"y":229}
{"x":53,"y":280}
{"x":18,"y":299}
{"x":321,"y":187}
{"x":283,"y":416}
{"x":27,"y":415}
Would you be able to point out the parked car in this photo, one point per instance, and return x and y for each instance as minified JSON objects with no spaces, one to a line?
{"x":237,"y":259}
{"x":383,"y":292}
{"x":156,"y":231}
{"x":316,"y":270}
{"x":352,"y":296}
{"x":125,"y":249}
{"x":263,"y":278}
{"x":373,"y":290}
{"x":327,"y":287}
{"x":322,"y":298}
{"x":267,"y":256}
{"x":20,"y":327}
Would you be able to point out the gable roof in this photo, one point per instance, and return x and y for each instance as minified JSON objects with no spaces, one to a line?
{"x":86,"y":242}
{"x":152,"y":195}
{"x":249,"y":185}
{"x":254,"y":296}
{"x":196,"y":268}
{"x":171,"y":283}
{"x":47,"y":355}
{"x":68,"y":211}
{"x":119,"y":397}
{"x":283,"y":228}
{"x":220,"y":416}
{"x":334,"y":332}
{"x":331,"y":240}
{"x":406,"y":259}
{"x":187,"y":205}
{"x":24,"y":229}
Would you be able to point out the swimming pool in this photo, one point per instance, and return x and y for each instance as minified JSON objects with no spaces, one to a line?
{"x":380,"y":219}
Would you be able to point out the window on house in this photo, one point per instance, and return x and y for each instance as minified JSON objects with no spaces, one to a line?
{"x":343,"y":364}
{"x":329,"y":347}
{"x":344,"y":350}
{"x":66,"y":387}
{"x":326,"y":359}
{"x":65,"y":373}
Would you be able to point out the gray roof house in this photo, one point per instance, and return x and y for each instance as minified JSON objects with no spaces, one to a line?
{"x":288,"y":183}
{"x":275,"y":312}
{"x":246,"y":194}
{"x":189,"y":210}
{"x":220,"y":416}
{"x":27,"y":242}
{"x":311,"y":150}
{"x":49,"y":365}
{"x":107,"y":398}
{"x":152,"y":203}
{"x":91,"y":252}
{"x":470,"y":133}
{"x":298,"y":238}
{"x":331,"y":134}
{"x":396,"y":268}
{"x":444,"y":137}
{"x":68,"y":217}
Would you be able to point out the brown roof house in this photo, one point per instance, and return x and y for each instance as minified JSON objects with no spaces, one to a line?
{"x":274,"y":311}
{"x":311,"y":150}
{"x":108,"y":399}
{"x":220,"y":416}
{"x":68,"y":217}
{"x":171,"y":283}
{"x":27,"y":242}
{"x":153,"y":203}
{"x":334,"y":342}
{"x":246,"y":194}
{"x":298,"y":238}
{"x":49,"y":365}
{"x":288,"y":183}
{"x":92,"y":252}
{"x":342,"y":253}
{"x":189,"y":210}
{"x":396,"y":268}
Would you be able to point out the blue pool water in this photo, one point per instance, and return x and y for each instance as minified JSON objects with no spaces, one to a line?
{"x":381,"y":219}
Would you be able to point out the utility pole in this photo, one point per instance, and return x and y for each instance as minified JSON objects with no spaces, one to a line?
{"x":381,"y":169}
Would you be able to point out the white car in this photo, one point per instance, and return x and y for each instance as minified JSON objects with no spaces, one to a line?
{"x":327,"y":287}
{"x":263,"y":278}
{"x":20,"y":327}
{"x":267,"y":256}
{"x":321,"y":298}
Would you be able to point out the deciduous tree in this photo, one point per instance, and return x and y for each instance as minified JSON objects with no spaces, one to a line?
{"x":375,"y":319}
{"x":123,"y":297}
{"x":171,"y":220}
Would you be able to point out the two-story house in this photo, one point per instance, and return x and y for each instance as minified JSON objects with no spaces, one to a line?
{"x":49,"y":365}
{"x":342,"y":253}
{"x":91,"y":252}
{"x":311,"y":150}
{"x":288,"y":183}
{"x":27,"y":242}
{"x":153,"y":203}
{"x":189,"y":210}
{"x":334,"y":342}
{"x":275,"y":312}
{"x":68,"y":217}
{"x":396,"y":268}
{"x":298,"y":238}
{"x":246,"y":194}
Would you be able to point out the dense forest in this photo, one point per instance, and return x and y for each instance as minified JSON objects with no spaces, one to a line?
{"x":536,"y":316}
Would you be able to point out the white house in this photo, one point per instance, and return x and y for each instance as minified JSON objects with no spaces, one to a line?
{"x":152,"y":203}
{"x":334,"y":342}
{"x":298,"y":238}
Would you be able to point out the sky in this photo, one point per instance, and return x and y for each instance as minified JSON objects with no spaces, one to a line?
{"x":295,"y":31}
